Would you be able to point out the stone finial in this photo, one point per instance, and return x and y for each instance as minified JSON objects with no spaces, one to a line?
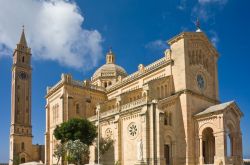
{"x":167,"y":53}
{"x":66,"y":77}
{"x":141,"y":67}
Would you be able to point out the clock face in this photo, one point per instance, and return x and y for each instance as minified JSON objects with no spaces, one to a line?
{"x":23,"y":75}
{"x":200,"y":81}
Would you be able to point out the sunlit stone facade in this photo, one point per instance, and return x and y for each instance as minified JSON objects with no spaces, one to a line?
{"x":167,"y":112}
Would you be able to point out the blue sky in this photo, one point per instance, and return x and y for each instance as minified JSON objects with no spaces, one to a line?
{"x":74,"y":36}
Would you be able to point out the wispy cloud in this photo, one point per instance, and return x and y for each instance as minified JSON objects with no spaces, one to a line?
{"x":182,"y":5}
{"x":157,"y":45}
{"x":205,"y":9}
{"x":53,"y":29}
{"x":214,"y":38}
{"x":204,"y":2}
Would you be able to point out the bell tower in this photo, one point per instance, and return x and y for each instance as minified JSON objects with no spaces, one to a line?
{"x":21,"y":129}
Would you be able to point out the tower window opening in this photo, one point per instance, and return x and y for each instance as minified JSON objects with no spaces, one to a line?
{"x":23,"y":59}
{"x":22,"y":146}
{"x":105,"y":84}
{"x":77,"y":108}
{"x":168,"y":118}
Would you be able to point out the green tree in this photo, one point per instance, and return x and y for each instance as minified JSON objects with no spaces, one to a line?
{"x":59,"y":152}
{"x":76,"y":129}
{"x":16,"y":159}
{"x":77,"y":151}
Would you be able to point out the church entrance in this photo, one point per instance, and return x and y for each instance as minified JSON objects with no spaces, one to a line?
{"x":22,"y":160}
{"x":208,"y":146}
{"x":167,"y":154}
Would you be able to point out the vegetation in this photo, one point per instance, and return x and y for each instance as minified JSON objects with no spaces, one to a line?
{"x":76,"y":129}
{"x":59,"y":152}
{"x":77,"y":151}
{"x":76,"y":135}
{"x":105,"y":145}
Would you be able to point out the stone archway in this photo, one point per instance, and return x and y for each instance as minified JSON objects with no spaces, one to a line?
{"x":208,"y":145}
{"x":169,"y":149}
{"x":22,"y":160}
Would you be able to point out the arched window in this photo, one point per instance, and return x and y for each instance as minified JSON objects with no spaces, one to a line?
{"x":22,"y":146}
{"x":23,"y":59}
{"x":105,"y":84}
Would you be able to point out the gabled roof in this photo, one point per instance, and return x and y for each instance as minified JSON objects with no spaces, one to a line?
{"x":215,"y":108}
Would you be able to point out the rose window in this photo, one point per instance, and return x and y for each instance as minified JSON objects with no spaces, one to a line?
{"x":133,"y":130}
{"x":108,"y":133}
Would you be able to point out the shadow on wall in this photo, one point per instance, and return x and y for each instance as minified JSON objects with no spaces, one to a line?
{"x":109,"y":157}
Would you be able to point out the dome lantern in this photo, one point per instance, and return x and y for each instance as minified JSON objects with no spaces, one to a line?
{"x":110,"y":57}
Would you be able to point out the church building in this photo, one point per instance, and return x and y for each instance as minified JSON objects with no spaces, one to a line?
{"x":165,"y":113}
{"x":21,"y":148}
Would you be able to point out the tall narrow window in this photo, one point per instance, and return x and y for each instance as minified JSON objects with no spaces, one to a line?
{"x":158,"y":92}
{"x":166,"y":90}
{"x":167,"y":154}
{"x":162,"y":90}
{"x":77,"y":108}
{"x":170,"y":118}
{"x":23,"y":59}
{"x":22,"y":146}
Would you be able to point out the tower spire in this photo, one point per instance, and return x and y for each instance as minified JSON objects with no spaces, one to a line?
{"x":23,"y":38}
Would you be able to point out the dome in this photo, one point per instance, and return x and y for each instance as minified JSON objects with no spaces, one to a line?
{"x":110,"y":70}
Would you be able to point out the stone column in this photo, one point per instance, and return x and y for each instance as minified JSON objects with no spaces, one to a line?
{"x":117,"y":139}
{"x":220,"y":148}
{"x":143,"y":134}
{"x":92,"y":157}
{"x":160,"y":137}
{"x":47,"y":135}
{"x":201,"y":151}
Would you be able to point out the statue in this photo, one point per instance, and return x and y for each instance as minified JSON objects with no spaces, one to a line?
{"x":139,"y":150}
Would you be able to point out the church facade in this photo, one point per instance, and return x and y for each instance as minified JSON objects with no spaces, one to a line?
{"x":21,"y":148}
{"x":165,"y":113}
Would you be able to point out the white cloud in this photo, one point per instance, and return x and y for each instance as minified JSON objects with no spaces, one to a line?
{"x":157,"y":45}
{"x":53,"y":30}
